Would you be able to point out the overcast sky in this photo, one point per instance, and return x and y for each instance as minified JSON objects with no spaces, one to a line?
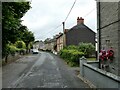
{"x":46,"y":15}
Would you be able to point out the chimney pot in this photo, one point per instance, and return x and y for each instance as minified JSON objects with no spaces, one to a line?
{"x":80,"y":20}
{"x":65,"y":30}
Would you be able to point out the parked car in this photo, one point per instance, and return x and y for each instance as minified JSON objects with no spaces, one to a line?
{"x":35,"y":51}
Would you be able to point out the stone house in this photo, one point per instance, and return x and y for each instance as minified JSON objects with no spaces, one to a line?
{"x":50,"y":44}
{"x":41,"y":45}
{"x":108,"y":28}
{"x":36,"y":45}
{"x":59,"y":40}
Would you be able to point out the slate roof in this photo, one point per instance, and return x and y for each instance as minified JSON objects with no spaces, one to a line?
{"x":80,"y":27}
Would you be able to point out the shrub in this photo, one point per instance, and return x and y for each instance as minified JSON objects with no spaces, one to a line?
{"x":20,"y":44}
{"x":12,"y":49}
{"x":72,"y":47}
{"x":87,"y":48}
{"x":71,"y":56}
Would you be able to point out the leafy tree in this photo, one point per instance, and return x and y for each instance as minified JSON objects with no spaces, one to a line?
{"x":28,"y":37}
{"x":20,"y":45}
{"x":30,"y":46}
{"x":12,"y":12}
{"x":87,"y":48}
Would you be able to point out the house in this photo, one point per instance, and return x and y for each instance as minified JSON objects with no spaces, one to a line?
{"x":50,"y":44}
{"x":47,"y":44}
{"x":79,"y":33}
{"x":36,"y":45}
{"x":75,"y":35}
{"x":41,"y":45}
{"x":108,"y":32}
{"x":60,"y":42}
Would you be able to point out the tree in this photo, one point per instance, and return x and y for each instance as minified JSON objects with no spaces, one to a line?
{"x":87,"y":48}
{"x":20,"y":45}
{"x":28,"y":37}
{"x":30,"y":46}
{"x":12,"y":12}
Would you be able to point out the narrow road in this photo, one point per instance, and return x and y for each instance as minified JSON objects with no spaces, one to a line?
{"x":47,"y":71}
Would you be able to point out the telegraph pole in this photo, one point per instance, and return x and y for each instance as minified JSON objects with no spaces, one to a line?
{"x":63,"y":26}
{"x":64,"y":36}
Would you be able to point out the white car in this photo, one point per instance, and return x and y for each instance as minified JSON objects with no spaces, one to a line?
{"x":35,"y":51}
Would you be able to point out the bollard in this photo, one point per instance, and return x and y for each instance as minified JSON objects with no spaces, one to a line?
{"x":82,"y":61}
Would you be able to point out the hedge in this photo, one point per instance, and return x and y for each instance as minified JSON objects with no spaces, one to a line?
{"x":71,"y":56}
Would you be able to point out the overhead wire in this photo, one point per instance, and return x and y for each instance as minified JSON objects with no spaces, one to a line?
{"x":89,"y":12}
{"x":67,"y":18}
{"x":70,"y":10}
{"x":54,"y":28}
{"x":51,"y":30}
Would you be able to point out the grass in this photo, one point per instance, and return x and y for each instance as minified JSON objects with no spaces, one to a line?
{"x":91,"y":59}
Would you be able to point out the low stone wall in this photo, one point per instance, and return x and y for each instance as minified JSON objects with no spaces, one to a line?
{"x":93,"y":63}
{"x":11,"y":58}
{"x":98,"y":77}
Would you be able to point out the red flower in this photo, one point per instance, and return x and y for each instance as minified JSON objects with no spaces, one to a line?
{"x":109,"y":55}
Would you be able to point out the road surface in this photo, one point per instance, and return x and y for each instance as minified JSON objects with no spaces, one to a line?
{"x":43,"y":70}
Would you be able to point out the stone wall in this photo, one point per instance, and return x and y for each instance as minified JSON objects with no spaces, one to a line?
{"x":97,"y":78}
{"x":11,"y":58}
{"x":110,"y":31}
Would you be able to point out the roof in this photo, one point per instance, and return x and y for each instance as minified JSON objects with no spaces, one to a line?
{"x":50,"y":41}
{"x":59,"y":36}
{"x":80,"y":26}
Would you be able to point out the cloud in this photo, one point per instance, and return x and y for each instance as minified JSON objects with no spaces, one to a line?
{"x":45,"y":15}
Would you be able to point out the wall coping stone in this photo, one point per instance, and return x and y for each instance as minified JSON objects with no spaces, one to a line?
{"x":92,"y":61}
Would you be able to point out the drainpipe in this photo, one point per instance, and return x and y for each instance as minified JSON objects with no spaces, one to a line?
{"x":99,"y":25}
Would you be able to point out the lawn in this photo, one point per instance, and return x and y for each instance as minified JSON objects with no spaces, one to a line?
{"x":91,"y":59}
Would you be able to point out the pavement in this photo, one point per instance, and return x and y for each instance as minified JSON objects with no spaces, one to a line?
{"x":44,"y":70}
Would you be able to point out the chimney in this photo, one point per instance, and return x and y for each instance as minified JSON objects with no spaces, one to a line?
{"x":65,"y":31}
{"x":80,"y":20}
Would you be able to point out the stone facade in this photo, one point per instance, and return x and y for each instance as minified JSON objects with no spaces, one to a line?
{"x":109,"y":31}
{"x":36,"y":45}
{"x":50,"y":44}
{"x":60,"y":42}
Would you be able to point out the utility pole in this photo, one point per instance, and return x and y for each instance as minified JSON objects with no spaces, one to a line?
{"x":63,"y":26}
{"x":64,"y":36}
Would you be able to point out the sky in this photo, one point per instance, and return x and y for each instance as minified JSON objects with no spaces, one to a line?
{"x":46,"y":15}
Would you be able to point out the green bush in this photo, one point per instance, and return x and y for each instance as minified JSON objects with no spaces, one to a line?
{"x":20,"y":45}
{"x":12,"y":49}
{"x":71,"y":56}
{"x":72,"y":53}
{"x":87,"y":48}
{"x":71,"y":47}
